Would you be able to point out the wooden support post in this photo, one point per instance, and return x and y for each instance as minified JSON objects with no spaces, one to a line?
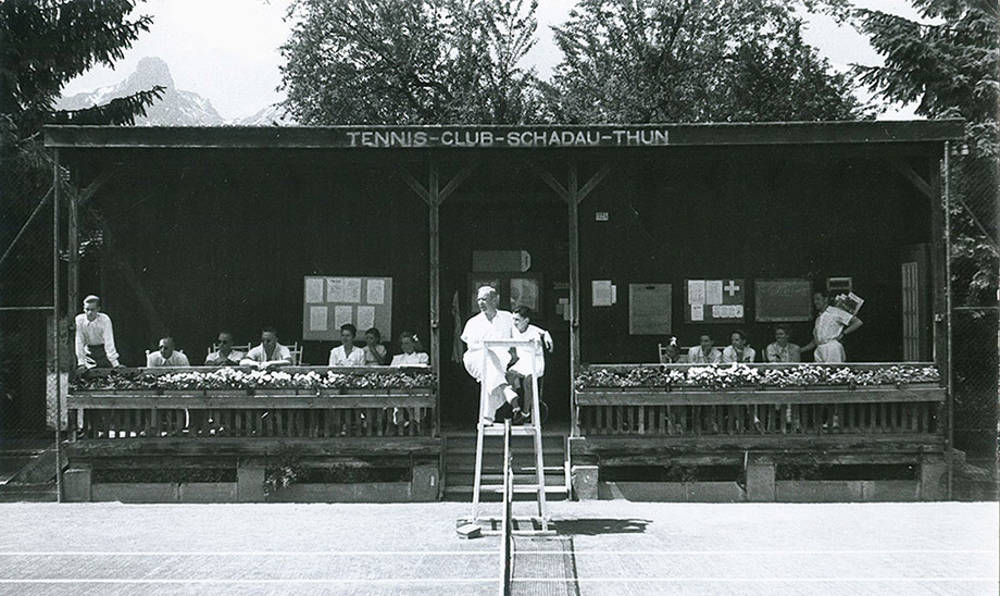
{"x":434,"y":201}
{"x":574,"y":291}
{"x":434,"y":195}
{"x":944,"y":166}
{"x":56,"y":368}
{"x":72,"y":268}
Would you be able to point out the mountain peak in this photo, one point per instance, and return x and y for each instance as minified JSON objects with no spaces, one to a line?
{"x":174,"y":108}
{"x":150,"y":71}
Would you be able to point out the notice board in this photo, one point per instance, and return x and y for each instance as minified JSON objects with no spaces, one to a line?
{"x":330,"y":301}
{"x":783,"y":300}
{"x":714,"y":300}
{"x":649,"y":309}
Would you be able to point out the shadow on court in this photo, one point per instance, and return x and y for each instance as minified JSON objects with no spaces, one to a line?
{"x":599,"y":526}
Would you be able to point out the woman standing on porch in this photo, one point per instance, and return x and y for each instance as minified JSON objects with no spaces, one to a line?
{"x":832,"y":324}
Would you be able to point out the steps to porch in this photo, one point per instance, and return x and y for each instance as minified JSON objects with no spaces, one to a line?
{"x":459,"y":458}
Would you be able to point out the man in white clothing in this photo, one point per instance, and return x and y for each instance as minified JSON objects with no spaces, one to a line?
{"x":95,"y":338}
{"x":166,"y":355}
{"x":738,"y":350}
{"x":704,"y":353}
{"x":269,"y":353}
{"x":490,"y":323}
{"x":527,"y":361}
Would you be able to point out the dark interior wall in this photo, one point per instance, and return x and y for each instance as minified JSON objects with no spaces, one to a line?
{"x":223,"y":239}
{"x":748,"y":217}
{"x":225,"y":243}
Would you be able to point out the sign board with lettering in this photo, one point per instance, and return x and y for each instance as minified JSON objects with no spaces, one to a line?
{"x":783,"y":300}
{"x":510,"y":137}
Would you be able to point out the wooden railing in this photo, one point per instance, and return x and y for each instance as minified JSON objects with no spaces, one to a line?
{"x":298,"y":413}
{"x":680,"y":412}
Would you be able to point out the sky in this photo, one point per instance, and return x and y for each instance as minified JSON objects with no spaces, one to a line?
{"x":235,"y":66}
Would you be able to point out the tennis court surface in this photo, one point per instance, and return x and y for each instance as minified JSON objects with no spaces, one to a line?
{"x":607,"y":547}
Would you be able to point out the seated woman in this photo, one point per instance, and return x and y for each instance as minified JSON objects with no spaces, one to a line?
{"x":782,"y":350}
{"x":375,"y":353}
{"x":704,"y":353}
{"x":738,"y":350}
{"x":411,"y":356}
{"x":346,"y":354}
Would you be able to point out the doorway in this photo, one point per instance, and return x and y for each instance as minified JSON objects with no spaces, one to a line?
{"x":536,"y":226}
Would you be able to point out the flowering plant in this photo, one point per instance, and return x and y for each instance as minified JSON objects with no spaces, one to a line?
{"x":235,"y":378}
{"x":741,"y":375}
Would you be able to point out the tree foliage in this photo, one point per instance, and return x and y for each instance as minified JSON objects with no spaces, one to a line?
{"x":693,"y":61}
{"x":410,"y":62}
{"x":949,"y":65}
{"x":46,"y":43}
{"x":43,"y":45}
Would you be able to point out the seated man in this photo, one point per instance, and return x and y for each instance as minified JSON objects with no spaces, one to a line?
{"x":782,"y":350}
{"x":95,"y":338}
{"x":166,"y":355}
{"x":490,"y":323}
{"x":269,"y":353}
{"x":225,"y":355}
{"x":346,"y":354}
{"x":738,"y":350}
{"x":704,"y":353}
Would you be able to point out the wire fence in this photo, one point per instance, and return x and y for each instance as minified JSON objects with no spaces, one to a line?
{"x":974,"y":266}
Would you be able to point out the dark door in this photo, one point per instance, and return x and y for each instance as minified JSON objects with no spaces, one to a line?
{"x":536,"y":227}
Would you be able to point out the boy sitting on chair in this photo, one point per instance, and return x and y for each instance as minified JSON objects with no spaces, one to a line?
{"x":519,"y":369}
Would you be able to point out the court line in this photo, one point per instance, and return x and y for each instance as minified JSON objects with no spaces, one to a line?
{"x":480,"y":553}
{"x":478,"y":580}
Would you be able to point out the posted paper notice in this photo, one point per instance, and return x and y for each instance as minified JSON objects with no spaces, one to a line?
{"x":314,"y":289}
{"x":352,"y":289}
{"x":697,"y":312}
{"x":343,"y":314}
{"x":375,"y":292}
{"x":317,"y":317}
{"x":602,"y":292}
{"x":335,"y":289}
{"x":696,"y":293}
{"x":713,"y":291}
{"x":366,"y":318}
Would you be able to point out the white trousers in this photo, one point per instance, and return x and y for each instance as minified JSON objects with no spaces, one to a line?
{"x":493,"y":379}
{"x":830,"y":352}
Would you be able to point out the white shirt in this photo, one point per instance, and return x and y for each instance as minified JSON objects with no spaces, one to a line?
{"x":478,"y":329}
{"x":217,"y":359}
{"x":830,"y":323}
{"x":729,"y":354}
{"x":257,"y":353}
{"x":93,"y":333}
{"x":411,"y":359}
{"x":696,"y":356}
{"x":789,"y":353}
{"x":154,"y":359}
{"x":523,"y":364}
{"x":340,"y":357}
